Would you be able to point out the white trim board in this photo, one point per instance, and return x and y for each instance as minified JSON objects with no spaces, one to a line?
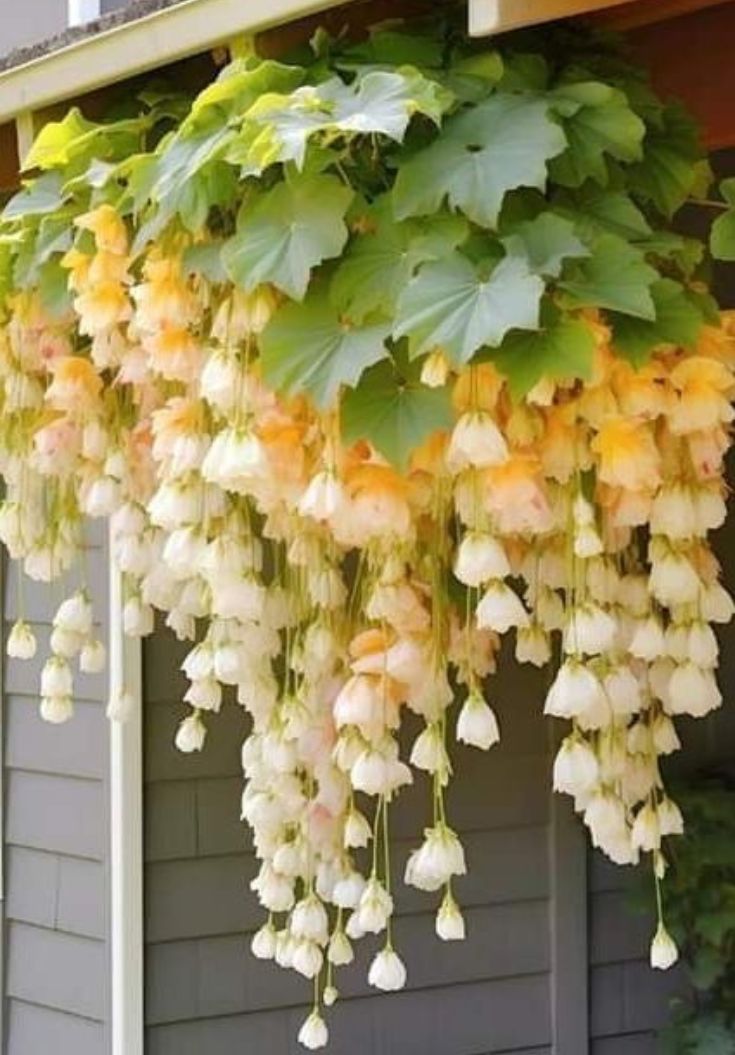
{"x":162,"y":37}
{"x":500,"y":16}
{"x":126,"y":835}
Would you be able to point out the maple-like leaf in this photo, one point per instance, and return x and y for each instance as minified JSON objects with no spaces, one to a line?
{"x":450,"y":305}
{"x":286,"y":232}
{"x":502,"y":143}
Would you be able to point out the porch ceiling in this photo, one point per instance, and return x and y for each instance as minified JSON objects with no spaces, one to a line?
{"x":660,"y":33}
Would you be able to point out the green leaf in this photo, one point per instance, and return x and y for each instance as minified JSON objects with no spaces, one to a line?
{"x":707,"y":967}
{"x":379,"y":263}
{"x":286,"y":232}
{"x":53,"y":288}
{"x":601,"y":124}
{"x":484,"y":152}
{"x":615,"y":277}
{"x":215,"y":184}
{"x":378,"y":103}
{"x":55,"y":235}
{"x":205,"y":259}
{"x":52,"y":145}
{"x":678,"y":321}
{"x":140,"y":172}
{"x":524,"y":72}
{"x":181,"y":158}
{"x":563,"y":349}
{"x":545,"y":243}
{"x":722,"y":236}
{"x":241,"y":84}
{"x":486,"y":65}
{"x":474,"y":77}
{"x":450,"y":305}
{"x":727,"y":190}
{"x":715,"y":926}
{"x":713,"y":1038}
{"x":394,"y":411}
{"x":598,"y":211}
{"x":394,"y":47}
{"x":308,"y":348}
{"x":39,"y":196}
{"x":669,"y":170}
{"x":79,"y":141}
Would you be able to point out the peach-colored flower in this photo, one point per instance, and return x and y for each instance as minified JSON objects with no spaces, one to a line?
{"x":516,"y":497}
{"x":77,"y":264}
{"x":174,"y":354}
{"x":477,"y":388}
{"x":179,"y":417}
{"x":704,"y":388}
{"x":57,"y":446}
{"x":52,"y":346}
{"x":108,"y":228}
{"x":625,"y":508}
{"x":707,"y":451}
{"x":378,"y":499}
{"x":627,"y":454}
{"x":165,"y":296}
{"x":101,"y":307}
{"x":562,"y":446}
{"x":76,"y":386}
{"x":643,"y":393}
{"x":108,"y":267}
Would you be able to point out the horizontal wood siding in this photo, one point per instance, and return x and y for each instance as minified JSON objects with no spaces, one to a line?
{"x":56,"y":835}
{"x":629,"y":1001}
{"x":204,"y":991}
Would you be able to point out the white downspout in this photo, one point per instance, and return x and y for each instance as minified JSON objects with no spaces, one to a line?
{"x":126,"y":833}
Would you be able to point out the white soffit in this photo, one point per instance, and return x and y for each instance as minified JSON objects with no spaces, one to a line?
{"x":147,"y":43}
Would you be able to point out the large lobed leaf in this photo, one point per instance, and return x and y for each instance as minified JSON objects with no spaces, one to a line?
{"x":308,"y":348}
{"x":381,"y":260}
{"x":450,"y":305}
{"x":484,"y":152}
{"x":616,"y":277}
{"x":394,"y":411}
{"x":286,"y":231}
{"x":562,"y":350}
{"x":278,"y":127}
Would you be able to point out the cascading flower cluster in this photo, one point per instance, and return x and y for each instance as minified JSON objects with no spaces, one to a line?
{"x":342,"y":534}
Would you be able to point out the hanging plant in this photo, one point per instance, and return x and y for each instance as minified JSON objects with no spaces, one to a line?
{"x":371,"y":360}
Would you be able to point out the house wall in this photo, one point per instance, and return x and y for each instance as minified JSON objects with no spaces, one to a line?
{"x":29,"y":23}
{"x":492,"y":994}
{"x":55,"y":845}
{"x":205,"y":992}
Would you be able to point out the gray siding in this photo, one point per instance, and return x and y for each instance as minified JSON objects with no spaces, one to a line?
{"x":204,"y":990}
{"x":628,"y":1001}
{"x":56,"y":836}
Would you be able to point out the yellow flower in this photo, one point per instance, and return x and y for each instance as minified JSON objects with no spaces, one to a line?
{"x":174,"y":354}
{"x":704,"y":387}
{"x":108,"y":267}
{"x":165,"y":296}
{"x":77,"y":264}
{"x":76,"y":385}
{"x":627,"y":455}
{"x":108,"y":228}
{"x":101,"y":307}
{"x":642,"y":393}
{"x":478,"y":388}
{"x":516,"y":496}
